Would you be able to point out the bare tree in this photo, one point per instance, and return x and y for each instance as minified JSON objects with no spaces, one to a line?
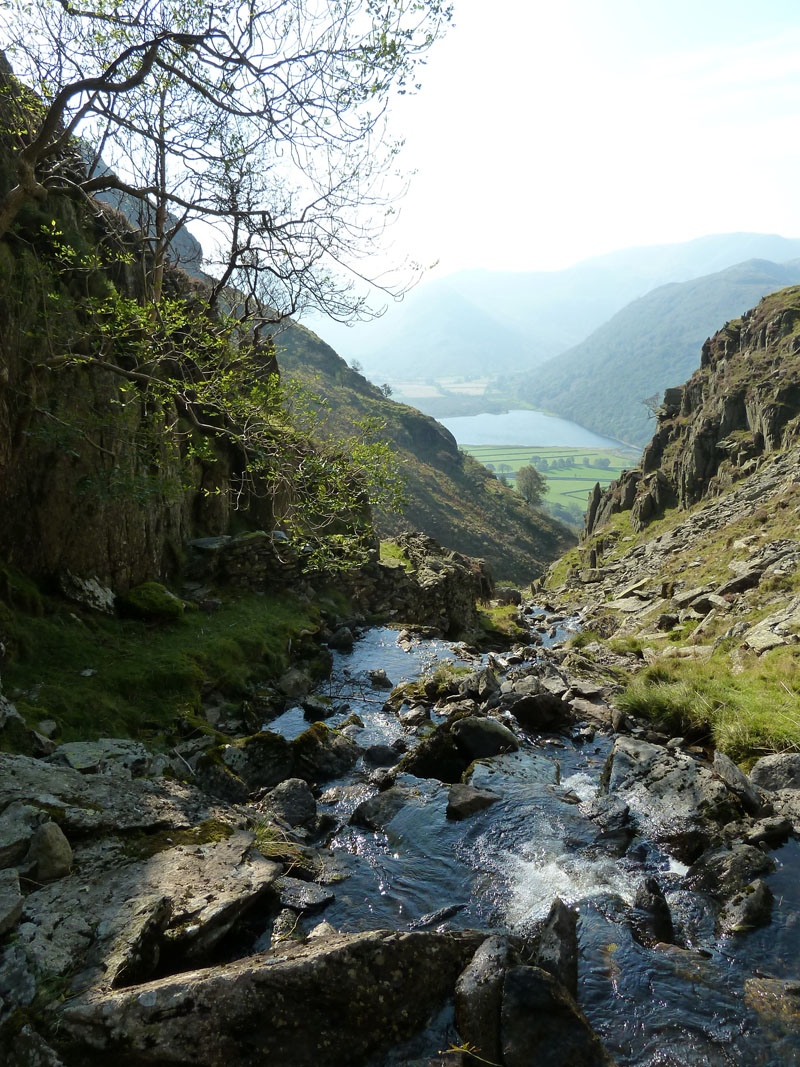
{"x":264,"y":124}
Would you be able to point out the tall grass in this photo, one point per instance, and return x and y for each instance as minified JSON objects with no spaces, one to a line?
{"x":745,"y":715}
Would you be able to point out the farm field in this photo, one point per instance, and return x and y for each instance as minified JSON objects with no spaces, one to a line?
{"x":571,"y":472}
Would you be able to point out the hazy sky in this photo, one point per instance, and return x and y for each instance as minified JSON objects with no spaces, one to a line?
{"x":549,"y":132}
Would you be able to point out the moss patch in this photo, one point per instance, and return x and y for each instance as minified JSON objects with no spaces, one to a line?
{"x":104,"y":677}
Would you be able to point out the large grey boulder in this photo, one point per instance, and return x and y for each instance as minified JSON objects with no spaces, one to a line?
{"x":327,"y":1002}
{"x":50,"y":854}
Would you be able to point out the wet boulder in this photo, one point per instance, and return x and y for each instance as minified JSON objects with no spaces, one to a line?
{"x":652,"y":919}
{"x":557,"y":949}
{"x":674,"y":798}
{"x":320,"y":753}
{"x":376,"y":812}
{"x":541,"y":1023}
{"x":326,"y":1002}
{"x":480,"y":738}
{"x":725,"y":871}
{"x":465,"y":800}
{"x":747,"y":909}
{"x":479,"y":997}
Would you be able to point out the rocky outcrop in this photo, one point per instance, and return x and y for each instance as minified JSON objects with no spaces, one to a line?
{"x":330,"y":1002}
{"x":741,"y":405}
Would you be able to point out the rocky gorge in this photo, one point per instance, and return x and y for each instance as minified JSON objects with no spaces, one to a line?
{"x":258,"y":805}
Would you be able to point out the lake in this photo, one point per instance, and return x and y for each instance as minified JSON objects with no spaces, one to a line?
{"x":523,"y":428}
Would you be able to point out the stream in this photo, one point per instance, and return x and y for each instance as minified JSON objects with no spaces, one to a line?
{"x":500,"y":869}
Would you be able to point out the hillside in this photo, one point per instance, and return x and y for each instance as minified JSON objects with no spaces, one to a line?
{"x":689,"y":571}
{"x":521,"y":319}
{"x":450,"y":496}
{"x":646,"y":347}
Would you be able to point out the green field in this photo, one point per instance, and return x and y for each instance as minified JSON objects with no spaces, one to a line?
{"x":571,"y":472}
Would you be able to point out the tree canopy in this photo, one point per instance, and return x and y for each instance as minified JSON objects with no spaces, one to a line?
{"x":532,"y":484}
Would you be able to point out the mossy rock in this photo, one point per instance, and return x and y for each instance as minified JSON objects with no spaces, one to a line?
{"x":152,"y":600}
{"x":321,"y":753}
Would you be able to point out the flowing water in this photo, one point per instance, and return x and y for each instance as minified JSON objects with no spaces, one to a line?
{"x":501,"y":868}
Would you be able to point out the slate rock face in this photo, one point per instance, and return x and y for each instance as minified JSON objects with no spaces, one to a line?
{"x":328,"y":1002}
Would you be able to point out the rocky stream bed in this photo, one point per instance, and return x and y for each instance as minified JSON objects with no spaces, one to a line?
{"x":464,"y":859}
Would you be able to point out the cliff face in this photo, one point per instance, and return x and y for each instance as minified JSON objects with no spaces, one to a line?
{"x":742,"y":405}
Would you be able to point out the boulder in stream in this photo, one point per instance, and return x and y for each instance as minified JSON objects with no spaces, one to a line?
{"x":541,"y":1024}
{"x":465,"y":800}
{"x":326,"y":1002}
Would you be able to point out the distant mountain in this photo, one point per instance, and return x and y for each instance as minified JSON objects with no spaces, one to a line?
{"x":652,"y":343}
{"x":479,"y":322}
{"x":451,"y":496}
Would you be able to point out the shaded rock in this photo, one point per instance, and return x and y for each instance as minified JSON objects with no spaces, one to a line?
{"x":295,"y":683}
{"x":29,"y":1049}
{"x":540,"y":1023}
{"x":436,"y":756}
{"x":747,"y":909}
{"x":722,"y":872}
{"x":91,"y":757}
{"x":538,"y":711}
{"x":321,"y":753}
{"x":342,"y":639}
{"x":480,"y":738}
{"x":10,"y":901}
{"x":376,"y":812}
{"x":17,"y":980}
{"x":652,"y":919}
{"x":737,"y":782}
{"x":302,"y":897}
{"x":557,"y":950}
{"x":260,"y":761}
{"x":17,"y":826}
{"x":778,"y":771}
{"x":479,"y":995}
{"x":50,"y":854}
{"x":380,"y":755}
{"x":465,"y":800}
{"x":379,"y":680}
{"x":328,"y":1002}
{"x":293,"y":801}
